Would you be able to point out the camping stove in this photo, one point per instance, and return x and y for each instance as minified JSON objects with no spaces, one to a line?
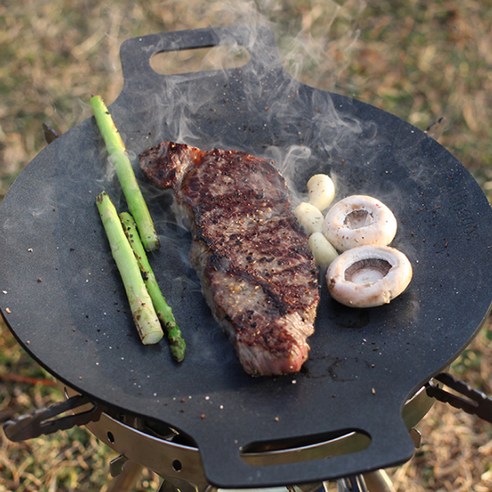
{"x":146,"y":443}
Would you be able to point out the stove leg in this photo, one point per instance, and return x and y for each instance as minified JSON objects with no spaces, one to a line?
{"x":378,"y":481}
{"x":126,"y":479}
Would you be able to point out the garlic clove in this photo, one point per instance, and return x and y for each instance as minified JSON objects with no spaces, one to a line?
{"x":321,"y":191}
{"x":324,"y":253}
{"x":310,"y":217}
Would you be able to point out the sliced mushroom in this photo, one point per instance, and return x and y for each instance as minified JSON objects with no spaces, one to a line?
{"x":368,"y":276}
{"x":359,"y":220}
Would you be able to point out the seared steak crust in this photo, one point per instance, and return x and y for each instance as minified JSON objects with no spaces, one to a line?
{"x":257,"y":272}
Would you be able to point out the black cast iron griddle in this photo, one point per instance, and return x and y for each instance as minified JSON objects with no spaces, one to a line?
{"x":62,"y":298}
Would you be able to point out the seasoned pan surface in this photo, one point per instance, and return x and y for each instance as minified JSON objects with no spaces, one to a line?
{"x":62,"y":298}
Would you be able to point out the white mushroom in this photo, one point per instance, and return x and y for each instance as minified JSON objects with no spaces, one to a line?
{"x":359,"y":220}
{"x":368,"y":276}
{"x":321,"y":190}
{"x":310,"y":217}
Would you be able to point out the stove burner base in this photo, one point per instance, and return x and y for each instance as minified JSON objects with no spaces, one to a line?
{"x":377,"y":481}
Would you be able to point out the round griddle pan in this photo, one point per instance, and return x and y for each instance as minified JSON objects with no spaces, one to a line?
{"x":62,"y":297}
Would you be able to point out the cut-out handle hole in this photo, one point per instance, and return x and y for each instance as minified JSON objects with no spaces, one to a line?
{"x":308,"y":448}
{"x":195,"y":60}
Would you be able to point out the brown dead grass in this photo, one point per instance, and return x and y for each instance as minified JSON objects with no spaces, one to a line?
{"x":420,"y":60}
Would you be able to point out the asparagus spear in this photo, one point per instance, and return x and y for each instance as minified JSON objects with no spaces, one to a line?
{"x":164,"y":312}
{"x":124,"y":170}
{"x":143,"y":312}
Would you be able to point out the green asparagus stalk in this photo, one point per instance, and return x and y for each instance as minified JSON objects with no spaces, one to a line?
{"x":165,"y":314}
{"x":126,"y":176}
{"x":143,"y":311}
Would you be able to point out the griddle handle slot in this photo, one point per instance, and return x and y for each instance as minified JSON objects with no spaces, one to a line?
{"x":135,"y":53}
{"x":44,"y":421}
{"x":466,"y":398}
{"x":225,"y":468}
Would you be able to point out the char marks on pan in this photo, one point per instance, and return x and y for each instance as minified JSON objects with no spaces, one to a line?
{"x":257,"y":273}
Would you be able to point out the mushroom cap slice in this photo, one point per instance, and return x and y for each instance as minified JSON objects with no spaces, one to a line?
{"x":359,"y":220}
{"x":368,"y":276}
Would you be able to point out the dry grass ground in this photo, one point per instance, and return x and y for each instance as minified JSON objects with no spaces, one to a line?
{"x":424,"y":61}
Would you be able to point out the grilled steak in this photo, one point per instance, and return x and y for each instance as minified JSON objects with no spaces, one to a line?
{"x":256,"y":271}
